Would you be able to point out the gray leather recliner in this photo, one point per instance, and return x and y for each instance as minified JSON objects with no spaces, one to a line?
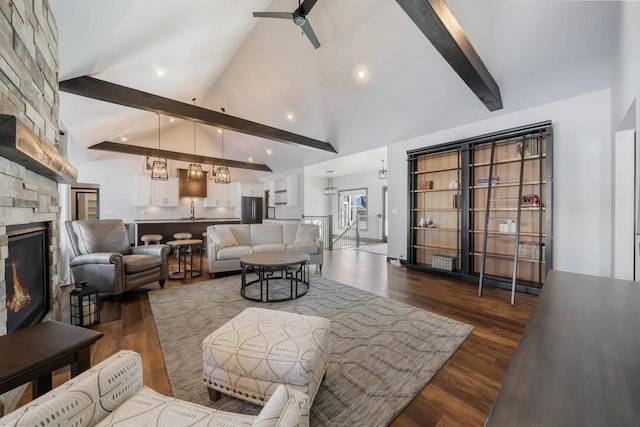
{"x":102,"y":255}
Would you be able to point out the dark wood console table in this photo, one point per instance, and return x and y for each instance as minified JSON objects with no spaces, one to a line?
{"x":578,"y":362}
{"x":33,"y":353}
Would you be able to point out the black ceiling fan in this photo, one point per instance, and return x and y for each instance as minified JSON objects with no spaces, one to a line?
{"x":299,"y":17}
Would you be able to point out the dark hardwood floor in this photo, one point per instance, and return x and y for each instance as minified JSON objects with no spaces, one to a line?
{"x":461,"y":393}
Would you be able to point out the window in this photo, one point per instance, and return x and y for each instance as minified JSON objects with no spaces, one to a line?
{"x":352,"y":204}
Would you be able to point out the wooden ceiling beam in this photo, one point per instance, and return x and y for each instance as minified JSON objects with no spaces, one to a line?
{"x":437,"y":23}
{"x":174,"y":155}
{"x":122,"y":95}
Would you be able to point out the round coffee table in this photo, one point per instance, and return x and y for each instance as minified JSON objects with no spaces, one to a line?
{"x":182,"y":247}
{"x":292,"y":266}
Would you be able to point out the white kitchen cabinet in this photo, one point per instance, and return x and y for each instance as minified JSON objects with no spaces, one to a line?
{"x":151,"y":192}
{"x":252,"y":189}
{"x":164,"y":193}
{"x":221,"y":195}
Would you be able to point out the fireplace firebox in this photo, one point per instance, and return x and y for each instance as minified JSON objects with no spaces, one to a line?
{"x":27,"y":275}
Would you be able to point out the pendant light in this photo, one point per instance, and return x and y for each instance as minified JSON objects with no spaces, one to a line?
{"x":159,"y":169}
{"x":382,"y":173}
{"x":195,"y":170}
{"x":329,"y":190}
{"x":223,"y":175}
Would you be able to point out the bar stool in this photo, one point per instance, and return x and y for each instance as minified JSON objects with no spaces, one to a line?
{"x":182,"y":236}
{"x":204,"y":240}
{"x":151,"y":238}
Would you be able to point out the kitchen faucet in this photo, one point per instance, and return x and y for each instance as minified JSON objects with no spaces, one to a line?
{"x":193,"y":211}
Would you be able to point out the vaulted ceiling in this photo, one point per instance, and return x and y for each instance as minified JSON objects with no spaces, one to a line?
{"x":266,"y":71}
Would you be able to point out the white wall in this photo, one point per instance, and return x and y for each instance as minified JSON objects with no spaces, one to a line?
{"x":582,"y":178}
{"x":315,"y":203}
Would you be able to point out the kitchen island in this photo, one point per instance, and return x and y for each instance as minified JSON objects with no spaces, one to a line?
{"x":167,"y":227}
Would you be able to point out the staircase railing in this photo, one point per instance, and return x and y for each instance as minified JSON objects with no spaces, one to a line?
{"x":348,"y":238}
{"x":325,"y":222}
{"x":364,"y":231}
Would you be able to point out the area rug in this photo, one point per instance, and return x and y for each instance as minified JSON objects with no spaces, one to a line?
{"x":383,"y":352}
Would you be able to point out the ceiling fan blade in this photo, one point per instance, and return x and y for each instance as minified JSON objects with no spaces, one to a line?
{"x":306,"y":6}
{"x":281,"y":15}
{"x":310,"y":34}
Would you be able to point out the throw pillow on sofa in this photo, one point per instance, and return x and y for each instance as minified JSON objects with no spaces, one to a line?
{"x":306,"y":233}
{"x":223,"y":238}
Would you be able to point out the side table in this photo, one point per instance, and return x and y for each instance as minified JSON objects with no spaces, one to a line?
{"x":33,"y":353}
{"x":182,"y":247}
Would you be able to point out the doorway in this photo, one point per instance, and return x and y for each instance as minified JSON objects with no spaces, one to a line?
{"x":85,"y":201}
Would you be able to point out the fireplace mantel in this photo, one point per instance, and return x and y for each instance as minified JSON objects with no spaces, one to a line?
{"x":22,"y":146}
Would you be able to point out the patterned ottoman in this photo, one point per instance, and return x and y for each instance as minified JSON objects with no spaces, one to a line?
{"x":259,"y":349}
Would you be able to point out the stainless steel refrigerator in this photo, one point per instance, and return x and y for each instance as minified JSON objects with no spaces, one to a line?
{"x":252,"y":210}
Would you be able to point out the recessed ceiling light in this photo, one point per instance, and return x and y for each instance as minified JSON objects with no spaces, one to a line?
{"x":172,"y":119}
{"x":361,"y":74}
{"x":123,"y":138}
{"x":159,"y":72}
{"x":269,"y":151}
{"x":251,"y":159}
{"x":290,"y":117}
{"x":219,"y":130}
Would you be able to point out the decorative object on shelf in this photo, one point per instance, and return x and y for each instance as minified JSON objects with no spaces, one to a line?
{"x":223,"y":175}
{"x":425,"y":185}
{"x":421,"y":223}
{"x":159,"y":169}
{"x":453,"y":184}
{"x":444,"y":262}
{"x":530,"y":201}
{"x":429,"y":223}
{"x":530,"y":250}
{"x":484,"y":181}
{"x":84,"y":305}
{"x":382,"y":173}
{"x":530,"y":147}
{"x":194,"y":173}
{"x":456,"y":201}
{"x":329,"y":190}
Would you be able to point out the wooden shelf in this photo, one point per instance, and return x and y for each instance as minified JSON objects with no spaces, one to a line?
{"x":418,"y":172}
{"x":507,"y":257}
{"x":435,"y":190}
{"x":508,"y":184}
{"x":437,"y":248}
{"x":280,"y":191}
{"x":280,"y":203}
{"x":509,"y":233}
{"x":435,"y":209}
{"x":436,"y":229}
{"x":506,"y":161}
{"x":509,"y":209}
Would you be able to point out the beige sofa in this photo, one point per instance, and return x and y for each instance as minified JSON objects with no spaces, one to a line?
{"x":112,"y":394}
{"x":253,"y":238}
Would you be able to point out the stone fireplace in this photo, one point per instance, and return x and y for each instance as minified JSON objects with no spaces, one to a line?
{"x":30,"y":165}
